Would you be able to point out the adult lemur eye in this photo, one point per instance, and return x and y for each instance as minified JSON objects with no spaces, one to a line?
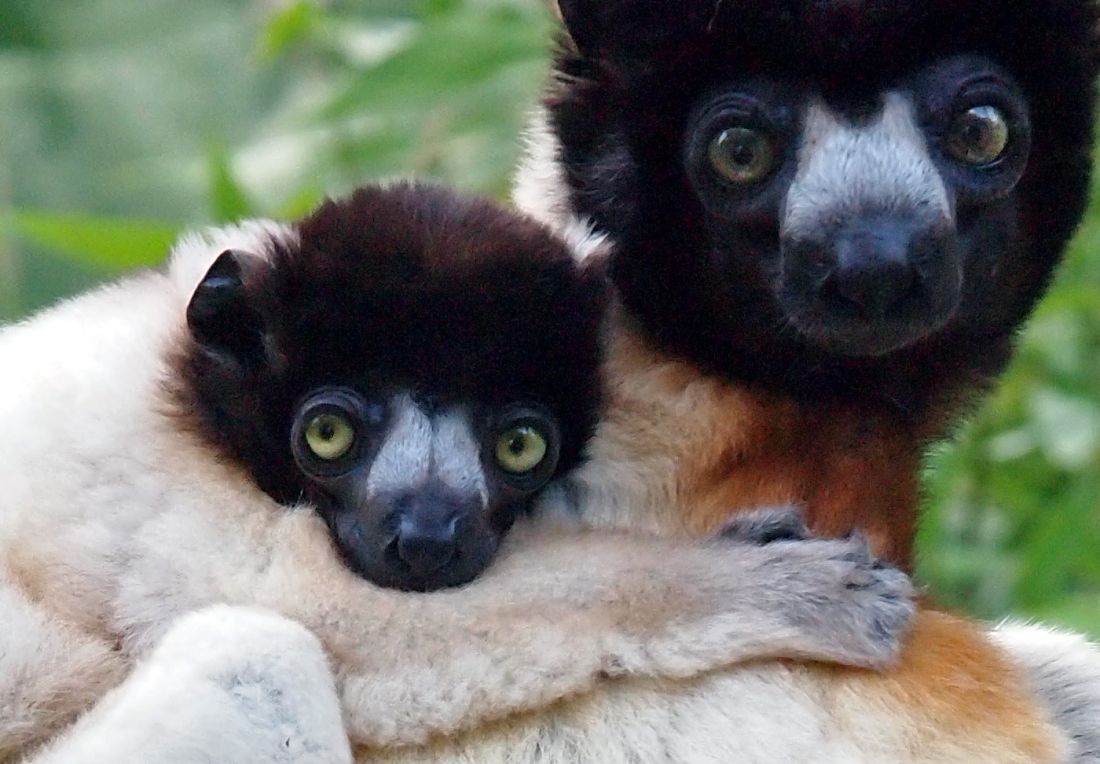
{"x":521,"y":449}
{"x":978,"y":136}
{"x":742,"y":155}
{"x":330,"y":436}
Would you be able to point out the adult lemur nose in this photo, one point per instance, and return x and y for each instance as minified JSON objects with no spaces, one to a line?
{"x":876,"y":264}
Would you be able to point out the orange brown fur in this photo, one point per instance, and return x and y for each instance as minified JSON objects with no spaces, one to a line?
{"x":728,"y":449}
{"x":952,"y":677}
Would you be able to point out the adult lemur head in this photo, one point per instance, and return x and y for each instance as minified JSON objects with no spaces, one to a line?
{"x":829,"y":197}
{"x":414,"y":364}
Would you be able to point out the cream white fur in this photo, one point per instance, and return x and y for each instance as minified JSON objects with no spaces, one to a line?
{"x":123,"y":526}
{"x":540,"y":187}
{"x":1065,"y":672}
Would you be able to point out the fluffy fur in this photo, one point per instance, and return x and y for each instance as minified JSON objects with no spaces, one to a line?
{"x":117,"y":522}
{"x":246,"y":684}
{"x":1063,"y":669}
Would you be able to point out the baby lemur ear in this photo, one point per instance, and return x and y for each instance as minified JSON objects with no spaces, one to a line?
{"x":220,"y":317}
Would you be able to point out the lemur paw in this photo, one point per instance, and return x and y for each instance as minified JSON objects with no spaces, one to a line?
{"x":766,"y":526}
{"x":839,"y":591}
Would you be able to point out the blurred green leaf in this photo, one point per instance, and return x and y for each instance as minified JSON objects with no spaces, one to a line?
{"x":288,"y":28}
{"x":112,"y":245}
{"x":301,"y":204}
{"x":228,"y":200}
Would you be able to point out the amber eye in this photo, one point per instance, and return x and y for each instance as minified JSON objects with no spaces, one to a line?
{"x":330,"y":436}
{"x":742,"y":155}
{"x":978,"y":136}
{"x":520,"y":449}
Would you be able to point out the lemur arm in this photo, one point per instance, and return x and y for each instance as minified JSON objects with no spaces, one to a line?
{"x":556,"y":613}
{"x":50,"y":671}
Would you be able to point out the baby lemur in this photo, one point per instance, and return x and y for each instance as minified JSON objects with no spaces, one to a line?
{"x":377,"y":391}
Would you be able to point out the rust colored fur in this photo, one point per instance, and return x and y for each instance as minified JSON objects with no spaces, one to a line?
{"x":710,"y":449}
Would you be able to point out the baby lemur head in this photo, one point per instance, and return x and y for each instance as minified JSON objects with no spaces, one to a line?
{"x":830,"y":197}
{"x":415,"y":364}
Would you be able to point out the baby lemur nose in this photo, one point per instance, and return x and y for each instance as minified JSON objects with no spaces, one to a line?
{"x":426,"y":544}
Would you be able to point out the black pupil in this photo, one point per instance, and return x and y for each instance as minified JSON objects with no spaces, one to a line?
{"x":976,"y":131}
{"x":327,"y":429}
{"x":517,"y":444}
{"x":743,"y":153}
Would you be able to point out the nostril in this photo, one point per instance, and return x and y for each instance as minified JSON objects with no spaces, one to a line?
{"x":874,"y":288}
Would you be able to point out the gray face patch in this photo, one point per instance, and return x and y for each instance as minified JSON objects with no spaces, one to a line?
{"x":456,"y":455}
{"x":419,"y":447}
{"x":844,"y":169}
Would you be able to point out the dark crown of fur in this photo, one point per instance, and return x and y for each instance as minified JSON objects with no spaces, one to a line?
{"x":623,"y":92}
{"x":404,"y":288}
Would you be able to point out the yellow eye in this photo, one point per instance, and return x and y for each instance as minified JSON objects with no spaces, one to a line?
{"x":978,"y":136}
{"x":520,"y":450}
{"x":742,"y":155}
{"x":330,"y":436}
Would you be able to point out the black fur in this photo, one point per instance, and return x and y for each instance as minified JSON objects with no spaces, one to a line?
{"x":627,"y":85}
{"x":405,"y":288}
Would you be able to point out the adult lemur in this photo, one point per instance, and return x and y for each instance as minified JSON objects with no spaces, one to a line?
{"x":398,"y":373}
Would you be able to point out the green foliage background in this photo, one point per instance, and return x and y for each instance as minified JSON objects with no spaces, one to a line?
{"x":122,"y":122}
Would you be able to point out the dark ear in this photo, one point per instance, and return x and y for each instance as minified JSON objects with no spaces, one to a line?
{"x":583,"y":22}
{"x":220,"y":316}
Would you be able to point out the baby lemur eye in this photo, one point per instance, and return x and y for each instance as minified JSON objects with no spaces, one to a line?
{"x":523,"y":442}
{"x":978,"y":136}
{"x":742,"y":155}
{"x":330,"y":436}
{"x":521,"y":449}
{"x":328,"y":430}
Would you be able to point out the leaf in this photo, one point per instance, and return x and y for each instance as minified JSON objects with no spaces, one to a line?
{"x":300,"y":204}
{"x":228,"y":201}
{"x":109,"y":244}
{"x":288,"y":28}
